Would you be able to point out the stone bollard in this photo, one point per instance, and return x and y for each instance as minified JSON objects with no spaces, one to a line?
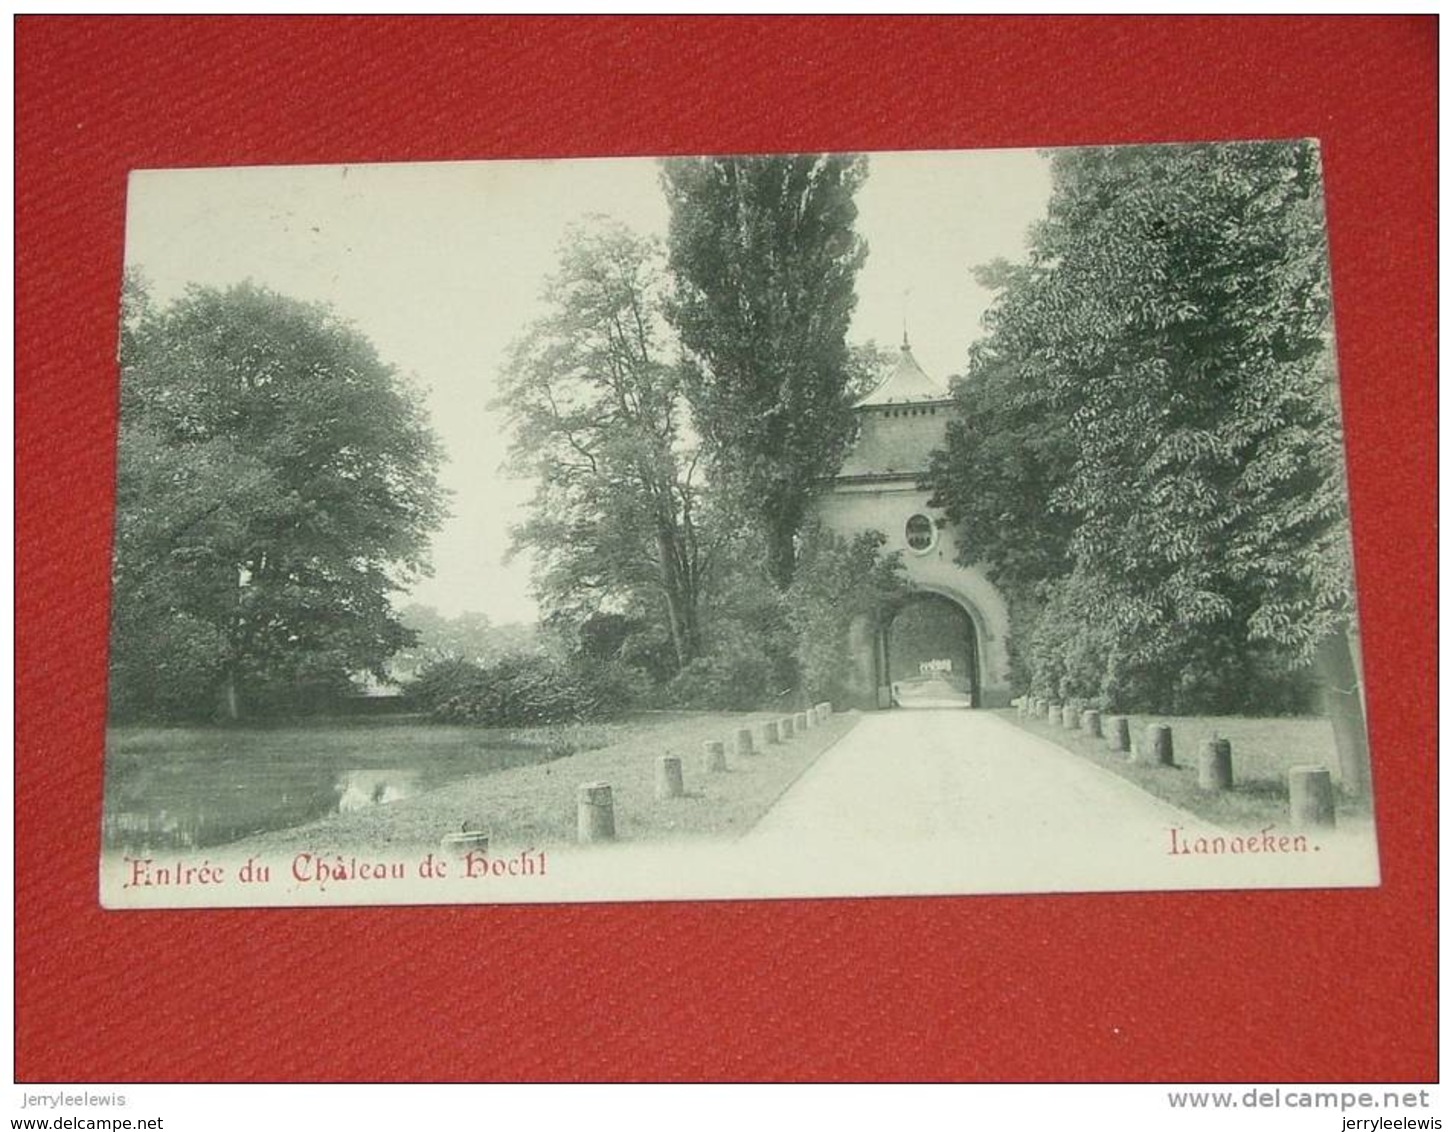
{"x":668,"y":778}
{"x":1158,"y":749}
{"x":1069,"y":718}
{"x":824,"y":711}
{"x":714,"y":760}
{"x":1090,"y":723}
{"x":595,"y":815}
{"x":800,"y":722}
{"x":786,"y":727}
{"x":468,"y":840}
{"x":745,"y":747}
{"x":1118,"y":732}
{"x":807,"y":720}
{"x":1213,"y":771}
{"x":1053,"y":712}
{"x":770,"y":734}
{"x":1312,"y":801}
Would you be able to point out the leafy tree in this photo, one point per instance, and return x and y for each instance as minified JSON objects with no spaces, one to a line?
{"x":763,"y":257}
{"x":868,"y":364}
{"x":276,"y":483}
{"x":594,"y":395}
{"x":467,"y":636}
{"x":838,"y":581}
{"x":1156,"y":392}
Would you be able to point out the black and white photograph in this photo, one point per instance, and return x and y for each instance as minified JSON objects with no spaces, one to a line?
{"x":766,"y":526}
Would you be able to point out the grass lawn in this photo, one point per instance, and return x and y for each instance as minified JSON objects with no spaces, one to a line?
{"x":1262,"y":750}
{"x":534,"y":805}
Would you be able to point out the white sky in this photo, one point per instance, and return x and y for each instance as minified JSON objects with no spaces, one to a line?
{"x":441,"y":265}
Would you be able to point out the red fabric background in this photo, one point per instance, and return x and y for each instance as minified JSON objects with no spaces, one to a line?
{"x":1198,"y":986}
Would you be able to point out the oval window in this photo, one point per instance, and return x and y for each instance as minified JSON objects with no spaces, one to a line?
{"x":919,"y":530}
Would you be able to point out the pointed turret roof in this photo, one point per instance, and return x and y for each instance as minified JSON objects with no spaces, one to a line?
{"x":907,"y":384}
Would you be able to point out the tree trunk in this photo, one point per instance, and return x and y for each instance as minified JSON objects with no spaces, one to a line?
{"x":683,"y":629}
{"x":781,"y":554}
{"x":680,"y":599}
{"x":1342,"y":693}
{"x":229,"y":706}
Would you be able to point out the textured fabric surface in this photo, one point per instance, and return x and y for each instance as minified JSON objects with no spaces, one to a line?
{"x":1190,"y":986}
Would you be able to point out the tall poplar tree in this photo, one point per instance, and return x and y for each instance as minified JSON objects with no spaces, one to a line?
{"x":763,"y":257}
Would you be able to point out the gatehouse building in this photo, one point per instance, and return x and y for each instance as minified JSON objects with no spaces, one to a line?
{"x":945,"y":642}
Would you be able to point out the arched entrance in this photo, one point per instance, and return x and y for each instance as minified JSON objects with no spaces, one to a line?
{"x":931,"y":654}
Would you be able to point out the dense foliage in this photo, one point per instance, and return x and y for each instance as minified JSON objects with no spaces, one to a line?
{"x":465,"y":636}
{"x":1147,"y":455}
{"x":763,"y":259}
{"x":593,"y":392}
{"x":523,"y":690}
{"x":276,"y":484}
{"x":738,"y":674}
{"x":838,"y":581}
{"x":641,"y":558}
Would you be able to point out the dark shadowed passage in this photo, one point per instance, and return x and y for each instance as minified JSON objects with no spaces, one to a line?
{"x":932,"y":654}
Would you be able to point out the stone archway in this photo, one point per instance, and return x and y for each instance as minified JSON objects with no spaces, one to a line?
{"x":930,"y":654}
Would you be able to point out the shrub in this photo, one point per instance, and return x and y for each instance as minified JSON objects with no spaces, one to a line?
{"x":837,"y":581}
{"x":1080,"y":648}
{"x":523,"y":691}
{"x":603,"y":689}
{"x":735,"y":676}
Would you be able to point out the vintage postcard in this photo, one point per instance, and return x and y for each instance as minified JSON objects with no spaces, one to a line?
{"x":732,"y":527}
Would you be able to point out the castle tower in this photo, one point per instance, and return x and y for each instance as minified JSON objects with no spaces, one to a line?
{"x":945,"y":643}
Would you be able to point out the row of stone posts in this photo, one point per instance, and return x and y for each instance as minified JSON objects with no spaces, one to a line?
{"x":594,"y":801}
{"x":1157,"y":749}
{"x":1310,"y":787}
